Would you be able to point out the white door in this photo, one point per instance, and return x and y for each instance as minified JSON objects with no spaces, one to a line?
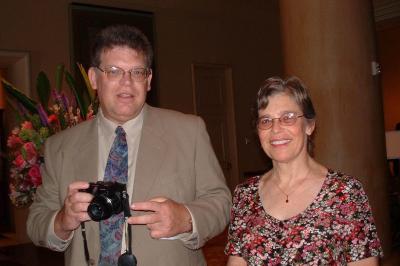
{"x":213,"y":101}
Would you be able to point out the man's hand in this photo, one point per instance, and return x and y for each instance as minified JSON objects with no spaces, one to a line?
{"x":166,"y":218}
{"x":74,"y":210}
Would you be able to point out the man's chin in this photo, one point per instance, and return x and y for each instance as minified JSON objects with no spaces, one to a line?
{"x":125,"y":117}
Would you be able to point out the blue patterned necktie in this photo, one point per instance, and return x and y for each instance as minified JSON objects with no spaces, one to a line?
{"x":111,"y":229}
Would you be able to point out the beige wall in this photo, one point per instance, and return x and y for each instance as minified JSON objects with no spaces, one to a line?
{"x":243,"y":34}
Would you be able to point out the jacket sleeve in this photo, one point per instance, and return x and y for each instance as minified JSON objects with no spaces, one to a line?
{"x":47,"y":201}
{"x":211,"y":207}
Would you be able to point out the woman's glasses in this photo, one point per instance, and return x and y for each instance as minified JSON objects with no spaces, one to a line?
{"x":287,"y":119}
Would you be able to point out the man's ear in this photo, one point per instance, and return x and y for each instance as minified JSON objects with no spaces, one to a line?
{"x":92,"y":77}
{"x":149,"y":80}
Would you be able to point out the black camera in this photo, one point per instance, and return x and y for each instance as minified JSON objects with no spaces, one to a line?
{"x":109,"y":198}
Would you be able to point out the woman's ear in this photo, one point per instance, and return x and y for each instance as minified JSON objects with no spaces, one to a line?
{"x":310,"y":127}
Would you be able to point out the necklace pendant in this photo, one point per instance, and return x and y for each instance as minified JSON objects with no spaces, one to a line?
{"x":287,"y":199}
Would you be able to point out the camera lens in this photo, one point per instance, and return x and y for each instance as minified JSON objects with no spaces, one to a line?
{"x":103,"y":206}
{"x":100,"y":208}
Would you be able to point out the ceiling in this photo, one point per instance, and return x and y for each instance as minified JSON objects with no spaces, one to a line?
{"x":386,"y":10}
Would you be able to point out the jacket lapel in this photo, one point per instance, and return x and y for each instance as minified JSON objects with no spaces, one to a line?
{"x":87,"y":158}
{"x":151,"y":154}
{"x":86,"y":167}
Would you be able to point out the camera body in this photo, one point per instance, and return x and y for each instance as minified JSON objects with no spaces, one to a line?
{"x":109,"y":198}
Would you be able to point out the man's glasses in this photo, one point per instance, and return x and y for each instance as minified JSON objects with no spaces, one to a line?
{"x":114,"y":73}
{"x":287,"y":119}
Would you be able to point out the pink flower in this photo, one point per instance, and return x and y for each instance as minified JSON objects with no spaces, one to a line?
{"x":34,"y":175}
{"x":90,"y":114}
{"x":13,"y":141}
{"x":31,"y":154}
{"x":19,"y":161}
{"x":26,"y":125}
{"x":15,"y":131}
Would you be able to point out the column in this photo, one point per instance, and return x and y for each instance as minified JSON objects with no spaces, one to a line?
{"x":330,"y":45}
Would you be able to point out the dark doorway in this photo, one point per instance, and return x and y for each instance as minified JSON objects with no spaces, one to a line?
{"x":87,"y":20}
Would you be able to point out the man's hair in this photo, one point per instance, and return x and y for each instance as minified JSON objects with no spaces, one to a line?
{"x":121,"y":35}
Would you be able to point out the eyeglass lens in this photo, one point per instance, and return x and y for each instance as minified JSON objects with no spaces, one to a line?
{"x":286,"y":119}
{"x":116,"y":73}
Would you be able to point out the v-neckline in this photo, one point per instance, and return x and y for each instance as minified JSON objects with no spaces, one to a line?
{"x":303,"y":212}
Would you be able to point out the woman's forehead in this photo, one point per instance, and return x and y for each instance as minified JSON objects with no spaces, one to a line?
{"x":279,"y":104}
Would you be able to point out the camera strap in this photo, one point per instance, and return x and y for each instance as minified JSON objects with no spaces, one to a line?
{"x":128,"y":237}
{"x":85,"y":246}
{"x":127,"y":258}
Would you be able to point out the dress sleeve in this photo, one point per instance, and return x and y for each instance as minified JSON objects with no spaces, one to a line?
{"x":362,"y":237}
{"x":233,"y":246}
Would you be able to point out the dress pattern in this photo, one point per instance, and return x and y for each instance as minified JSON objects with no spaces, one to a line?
{"x":336,"y":228}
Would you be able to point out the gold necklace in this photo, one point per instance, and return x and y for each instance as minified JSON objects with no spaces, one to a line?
{"x":291,"y":192}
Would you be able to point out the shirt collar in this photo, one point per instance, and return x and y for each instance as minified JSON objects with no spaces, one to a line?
{"x":131,"y":127}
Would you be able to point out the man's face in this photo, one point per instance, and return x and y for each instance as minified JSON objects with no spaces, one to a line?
{"x":121,"y":99}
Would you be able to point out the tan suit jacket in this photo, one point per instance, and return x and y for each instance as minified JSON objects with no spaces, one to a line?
{"x":175,"y":160}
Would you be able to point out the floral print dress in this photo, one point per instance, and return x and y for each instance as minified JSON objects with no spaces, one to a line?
{"x":336,"y":228}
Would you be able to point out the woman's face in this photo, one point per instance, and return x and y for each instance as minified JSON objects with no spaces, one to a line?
{"x":284,"y":143}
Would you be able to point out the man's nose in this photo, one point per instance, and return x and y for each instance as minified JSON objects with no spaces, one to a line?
{"x":126,"y":77}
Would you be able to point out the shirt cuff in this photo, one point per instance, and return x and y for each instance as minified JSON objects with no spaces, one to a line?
{"x":187,"y":237}
{"x":53,"y":241}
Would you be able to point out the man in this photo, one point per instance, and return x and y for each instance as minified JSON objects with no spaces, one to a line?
{"x":178,"y":194}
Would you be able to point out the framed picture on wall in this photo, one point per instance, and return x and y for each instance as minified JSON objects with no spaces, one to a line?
{"x":87,"y":20}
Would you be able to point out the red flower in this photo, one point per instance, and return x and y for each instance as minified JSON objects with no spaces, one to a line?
{"x":34,"y":175}
{"x":52,"y":118}
{"x":31,"y":154}
{"x":13,"y":141}
{"x":26,"y":125}
{"x":19,"y":161}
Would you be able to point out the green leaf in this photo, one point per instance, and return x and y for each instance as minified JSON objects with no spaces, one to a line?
{"x":24,"y":153}
{"x":43,"y":88}
{"x":90,"y":90}
{"x":59,"y":77}
{"x":27,"y":102}
{"x":19,"y":118}
{"x":72,"y":84}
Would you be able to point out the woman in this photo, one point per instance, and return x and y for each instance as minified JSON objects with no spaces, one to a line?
{"x":299,"y":212}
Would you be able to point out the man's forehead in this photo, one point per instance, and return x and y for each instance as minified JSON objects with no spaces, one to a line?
{"x":111,"y":48}
{"x":121,"y":51}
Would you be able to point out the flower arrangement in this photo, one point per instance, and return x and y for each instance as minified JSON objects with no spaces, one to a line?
{"x":38,"y":121}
